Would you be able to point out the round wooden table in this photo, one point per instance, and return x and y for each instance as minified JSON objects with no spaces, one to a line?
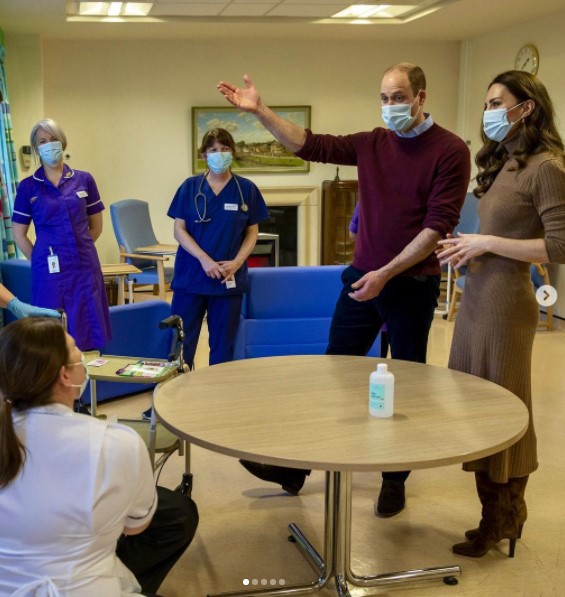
{"x":312,"y":412}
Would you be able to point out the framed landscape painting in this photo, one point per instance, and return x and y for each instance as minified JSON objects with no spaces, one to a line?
{"x":257,"y":150}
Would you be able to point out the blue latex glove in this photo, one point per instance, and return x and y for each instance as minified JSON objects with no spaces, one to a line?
{"x":19,"y":310}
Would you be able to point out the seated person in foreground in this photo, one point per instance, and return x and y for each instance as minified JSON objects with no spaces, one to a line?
{"x":79,"y":511}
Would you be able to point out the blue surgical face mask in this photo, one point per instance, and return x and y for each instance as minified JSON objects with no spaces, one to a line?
{"x":51,"y":153}
{"x":496,"y":125}
{"x":398,"y":117}
{"x":219,"y":161}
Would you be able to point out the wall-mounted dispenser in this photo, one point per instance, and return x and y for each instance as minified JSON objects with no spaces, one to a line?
{"x":25,"y":156}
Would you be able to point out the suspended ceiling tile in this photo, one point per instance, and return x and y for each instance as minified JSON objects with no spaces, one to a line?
{"x":185,"y":9}
{"x":247,"y":10}
{"x":304,"y":10}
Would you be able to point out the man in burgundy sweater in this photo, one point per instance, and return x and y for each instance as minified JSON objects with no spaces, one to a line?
{"x":412,"y":182}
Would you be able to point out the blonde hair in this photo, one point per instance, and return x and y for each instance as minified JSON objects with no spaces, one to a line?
{"x":53,"y":128}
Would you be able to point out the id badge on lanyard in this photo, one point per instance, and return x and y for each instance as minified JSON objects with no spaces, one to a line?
{"x":53,"y":262}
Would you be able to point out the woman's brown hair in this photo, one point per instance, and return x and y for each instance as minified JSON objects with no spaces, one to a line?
{"x":32,"y":352}
{"x":538,"y":131}
{"x":222,"y":136}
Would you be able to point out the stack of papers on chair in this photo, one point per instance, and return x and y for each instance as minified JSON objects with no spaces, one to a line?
{"x":146,"y":369}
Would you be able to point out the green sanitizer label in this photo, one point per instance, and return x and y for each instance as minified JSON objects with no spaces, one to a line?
{"x":377,"y":396}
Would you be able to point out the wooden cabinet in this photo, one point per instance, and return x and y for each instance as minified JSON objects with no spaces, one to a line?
{"x":339,"y":198}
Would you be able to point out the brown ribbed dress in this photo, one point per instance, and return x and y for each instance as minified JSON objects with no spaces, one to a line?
{"x":497,"y":321}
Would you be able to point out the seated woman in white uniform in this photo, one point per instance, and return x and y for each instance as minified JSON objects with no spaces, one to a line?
{"x":79,"y":512}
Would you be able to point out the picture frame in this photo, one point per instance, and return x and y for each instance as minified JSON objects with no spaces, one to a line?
{"x":257,"y":149}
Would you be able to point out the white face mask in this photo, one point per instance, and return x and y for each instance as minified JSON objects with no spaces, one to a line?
{"x":496,"y":124}
{"x":398,"y":117}
{"x":82,"y":385}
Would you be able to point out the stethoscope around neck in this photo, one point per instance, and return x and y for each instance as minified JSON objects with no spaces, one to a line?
{"x":202,"y":219}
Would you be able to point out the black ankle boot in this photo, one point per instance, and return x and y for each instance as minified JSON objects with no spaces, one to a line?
{"x":290,"y":479}
{"x":391,"y":499}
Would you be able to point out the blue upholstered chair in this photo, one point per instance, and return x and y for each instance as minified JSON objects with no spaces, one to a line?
{"x":135,"y":332}
{"x":15,"y":274}
{"x":288,"y":311}
{"x":540,"y":277}
{"x":468,"y":223}
{"x":133,"y":229}
{"x":135,"y":328}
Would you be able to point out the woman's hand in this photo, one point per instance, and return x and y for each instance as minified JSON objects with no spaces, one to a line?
{"x":230,"y":267}
{"x":212,"y":268}
{"x":459,"y":250}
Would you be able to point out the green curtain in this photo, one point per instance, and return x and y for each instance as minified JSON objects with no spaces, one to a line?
{"x":8,"y":168}
{"x":8,"y":171}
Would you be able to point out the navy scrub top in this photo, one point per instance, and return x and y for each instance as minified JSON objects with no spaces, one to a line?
{"x":221,"y":238}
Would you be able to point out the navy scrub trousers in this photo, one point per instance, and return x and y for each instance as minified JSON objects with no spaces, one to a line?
{"x":223,"y":320}
{"x":406,"y":304}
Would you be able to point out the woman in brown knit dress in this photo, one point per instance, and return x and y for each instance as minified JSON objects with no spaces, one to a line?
{"x":521,"y":192}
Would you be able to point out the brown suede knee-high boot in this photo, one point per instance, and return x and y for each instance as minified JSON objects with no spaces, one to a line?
{"x":517,"y":488}
{"x":496,"y":508}
{"x":512,"y":528}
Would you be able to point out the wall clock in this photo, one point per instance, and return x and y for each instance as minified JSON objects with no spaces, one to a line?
{"x":527,"y":59}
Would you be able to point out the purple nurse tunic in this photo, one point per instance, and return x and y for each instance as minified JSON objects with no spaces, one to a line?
{"x":60,"y":216}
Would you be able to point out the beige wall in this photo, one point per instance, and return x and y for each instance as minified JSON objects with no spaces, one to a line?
{"x":25,"y":86}
{"x":125,"y":105}
{"x":486,"y":56}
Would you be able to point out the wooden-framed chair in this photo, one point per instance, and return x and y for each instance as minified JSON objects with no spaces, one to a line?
{"x":468,"y":223}
{"x":457,"y":287}
{"x":133,"y":229}
{"x":540,"y":277}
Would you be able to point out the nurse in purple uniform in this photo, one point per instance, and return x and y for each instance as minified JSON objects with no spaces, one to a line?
{"x":65,"y":208}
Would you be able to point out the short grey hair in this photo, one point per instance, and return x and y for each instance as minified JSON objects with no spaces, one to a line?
{"x":49,"y":125}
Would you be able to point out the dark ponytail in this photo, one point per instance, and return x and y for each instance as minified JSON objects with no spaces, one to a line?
{"x":32,"y":352}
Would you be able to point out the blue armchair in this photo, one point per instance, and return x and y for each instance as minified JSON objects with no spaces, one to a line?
{"x":540,"y":277}
{"x":133,"y":229}
{"x":468,"y":223}
{"x":288,"y":311}
{"x":135,"y":328}
{"x":15,"y":274}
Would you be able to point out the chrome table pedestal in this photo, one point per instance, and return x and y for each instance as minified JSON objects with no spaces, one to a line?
{"x":337,"y":552}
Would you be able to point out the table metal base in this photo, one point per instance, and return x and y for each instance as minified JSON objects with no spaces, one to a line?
{"x":337,"y":552}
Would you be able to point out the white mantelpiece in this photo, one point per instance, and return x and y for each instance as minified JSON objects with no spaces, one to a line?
{"x":307,"y":201}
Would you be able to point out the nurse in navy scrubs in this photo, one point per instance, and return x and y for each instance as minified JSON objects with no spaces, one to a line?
{"x":65,"y":208}
{"x":217,"y":217}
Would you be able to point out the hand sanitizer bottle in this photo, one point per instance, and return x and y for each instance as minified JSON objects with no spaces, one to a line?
{"x":381,"y":392}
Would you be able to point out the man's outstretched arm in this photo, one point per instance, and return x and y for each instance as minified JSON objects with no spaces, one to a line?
{"x":248,"y":99}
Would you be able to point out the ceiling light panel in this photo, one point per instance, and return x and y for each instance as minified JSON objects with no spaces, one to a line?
{"x":87,"y":9}
{"x":137,"y":9}
{"x":375,"y":11}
